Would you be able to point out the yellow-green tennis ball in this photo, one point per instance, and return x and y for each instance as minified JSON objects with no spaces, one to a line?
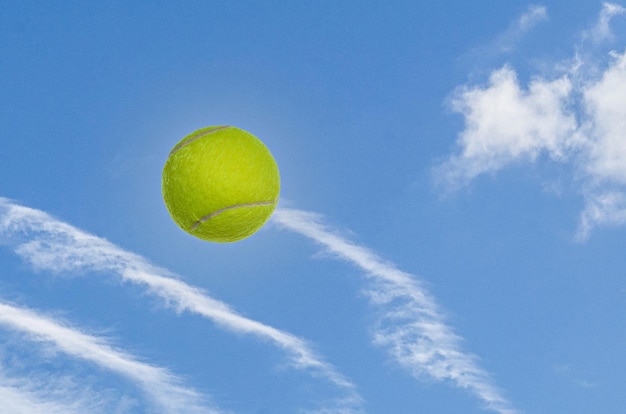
{"x":220,"y":184}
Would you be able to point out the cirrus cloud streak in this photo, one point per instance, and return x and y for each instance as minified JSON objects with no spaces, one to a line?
{"x":413,"y":327}
{"x":50,"y":244}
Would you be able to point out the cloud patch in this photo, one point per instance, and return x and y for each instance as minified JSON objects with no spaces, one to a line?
{"x":505,"y":123}
{"x":574,"y":116}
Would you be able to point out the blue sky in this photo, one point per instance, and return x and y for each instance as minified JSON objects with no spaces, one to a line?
{"x":447,"y":239}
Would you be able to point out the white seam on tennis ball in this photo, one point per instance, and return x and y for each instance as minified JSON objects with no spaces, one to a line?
{"x":208,"y":217}
{"x":192,"y":139}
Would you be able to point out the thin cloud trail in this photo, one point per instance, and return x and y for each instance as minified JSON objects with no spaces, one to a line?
{"x":49,"y":244}
{"x":161,"y":385}
{"x":37,"y":392}
{"x":20,"y":401}
{"x":413,"y":328}
{"x":28,"y":396}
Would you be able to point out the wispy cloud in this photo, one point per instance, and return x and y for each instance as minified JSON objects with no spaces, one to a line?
{"x":163,"y":387}
{"x":573,"y":377}
{"x":510,"y":38}
{"x":49,"y":244}
{"x":30,"y":395}
{"x":413,"y":327}
{"x":18,"y":401}
{"x":529,"y":19}
{"x":576,"y":115}
{"x":602,"y":30}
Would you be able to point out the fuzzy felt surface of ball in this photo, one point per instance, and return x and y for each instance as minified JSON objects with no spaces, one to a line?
{"x":220,"y":184}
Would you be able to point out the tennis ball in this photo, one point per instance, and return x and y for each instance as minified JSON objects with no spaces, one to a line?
{"x":220,"y":184}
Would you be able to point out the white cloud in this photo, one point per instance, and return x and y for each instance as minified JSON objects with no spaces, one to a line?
{"x":605,"y":104}
{"x":19,"y":401}
{"x":510,"y":38}
{"x":602,"y":30}
{"x":49,"y":244}
{"x":413,"y":328}
{"x":505,"y":124}
{"x":534,"y":14}
{"x":162,"y":386}
{"x":27,"y":389}
{"x":602,"y":210}
{"x":577,"y":117}
{"x":31,"y":396}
